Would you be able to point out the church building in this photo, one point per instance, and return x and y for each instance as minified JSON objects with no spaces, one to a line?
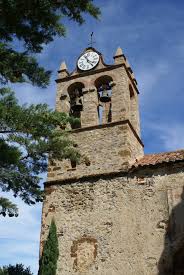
{"x":119,"y":211}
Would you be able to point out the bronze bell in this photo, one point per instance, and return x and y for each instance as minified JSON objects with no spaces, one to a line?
{"x":76,"y":104}
{"x":104,"y":96}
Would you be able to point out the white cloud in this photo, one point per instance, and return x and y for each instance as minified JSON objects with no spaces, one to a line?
{"x":149,"y":75}
{"x":171,"y":135}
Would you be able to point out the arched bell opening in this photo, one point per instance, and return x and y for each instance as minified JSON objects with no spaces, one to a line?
{"x":76,"y":102}
{"x":104,"y":88}
{"x":103,"y":85}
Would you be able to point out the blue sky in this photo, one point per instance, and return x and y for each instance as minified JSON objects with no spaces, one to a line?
{"x":151,"y":34}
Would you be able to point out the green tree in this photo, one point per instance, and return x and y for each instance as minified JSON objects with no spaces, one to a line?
{"x":3,"y":271}
{"x":29,"y":133}
{"x":17,"y":269}
{"x":48,"y":261}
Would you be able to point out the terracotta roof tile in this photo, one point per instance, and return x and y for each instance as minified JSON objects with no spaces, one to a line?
{"x":153,"y":159}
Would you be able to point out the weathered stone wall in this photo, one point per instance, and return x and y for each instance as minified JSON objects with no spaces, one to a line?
{"x":102,"y":149}
{"x":116,"y":225}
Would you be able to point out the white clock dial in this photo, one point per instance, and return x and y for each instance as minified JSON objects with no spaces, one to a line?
{"x":88,"y":61}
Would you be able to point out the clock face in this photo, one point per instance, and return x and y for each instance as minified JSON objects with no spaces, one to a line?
{"x":88,"y":61}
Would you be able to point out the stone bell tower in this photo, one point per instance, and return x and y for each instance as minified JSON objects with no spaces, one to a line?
{"x":105,"y":99}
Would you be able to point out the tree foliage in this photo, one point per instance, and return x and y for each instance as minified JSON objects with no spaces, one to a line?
{"x":48,"y":261}
{"x":35,"y":23}
{"x":17,"y":269}
{"x":28,"y":134}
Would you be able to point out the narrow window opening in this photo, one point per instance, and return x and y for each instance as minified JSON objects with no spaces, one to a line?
{"x":100,"y":113}
{"x":73,"y":164}
{"x":110,"y":113}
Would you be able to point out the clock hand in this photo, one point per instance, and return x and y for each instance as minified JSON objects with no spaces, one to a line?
{"x":91,"y":63}
{"x":87,"y":59}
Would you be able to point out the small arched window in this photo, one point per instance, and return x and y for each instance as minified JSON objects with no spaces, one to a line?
{"x":76,"y":101}
{"x":104,"y":90}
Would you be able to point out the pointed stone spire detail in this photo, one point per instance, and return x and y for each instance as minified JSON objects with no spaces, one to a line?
{"x":63,"y":66}
{"x":119,"y":52}
{"x":119,"y":56}
{"x":63,"y":72}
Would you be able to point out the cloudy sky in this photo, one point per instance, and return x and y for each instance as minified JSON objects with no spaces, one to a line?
{"x":151,"y":34}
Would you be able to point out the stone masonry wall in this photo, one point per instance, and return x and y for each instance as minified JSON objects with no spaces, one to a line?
{"x":102,"y":150}
{"x":114,"y":225}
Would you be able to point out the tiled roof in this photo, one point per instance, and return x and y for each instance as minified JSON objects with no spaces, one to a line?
{"x":153,"y":159}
